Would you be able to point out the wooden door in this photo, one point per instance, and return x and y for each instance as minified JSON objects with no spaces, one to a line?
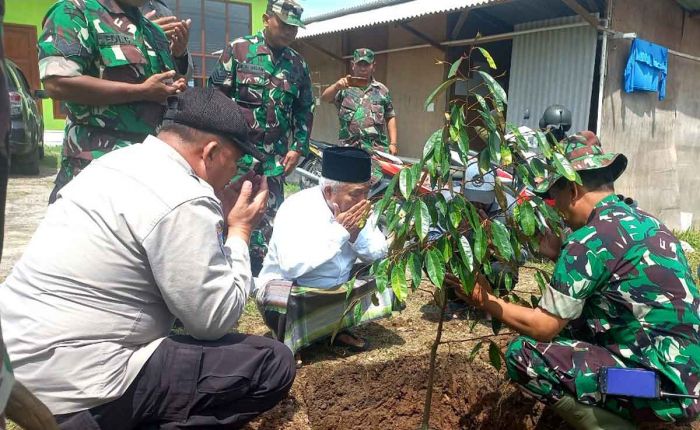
{"x":20,"y":45}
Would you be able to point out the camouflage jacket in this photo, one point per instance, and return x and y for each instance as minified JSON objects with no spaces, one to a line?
{"x":625,"y":281}
{"x":363,"y":113}
{"x":275,"y":94}
{"x":98,"y":38}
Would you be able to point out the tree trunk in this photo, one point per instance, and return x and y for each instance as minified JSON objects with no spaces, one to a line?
{"x":425,"y":425}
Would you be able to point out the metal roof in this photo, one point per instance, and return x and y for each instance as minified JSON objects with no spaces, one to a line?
{"x":386,"y":14}
{"x":690,"y":5}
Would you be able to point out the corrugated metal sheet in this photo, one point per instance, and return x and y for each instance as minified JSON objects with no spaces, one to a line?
{"x":552,"y":67}
{"x":386,"y":14}
{"x":690,"y":5}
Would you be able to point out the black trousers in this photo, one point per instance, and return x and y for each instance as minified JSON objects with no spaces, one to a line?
{"x":188,"y":384}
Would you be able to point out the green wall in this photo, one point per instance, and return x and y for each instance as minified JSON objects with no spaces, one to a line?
{"x":31,"y":12}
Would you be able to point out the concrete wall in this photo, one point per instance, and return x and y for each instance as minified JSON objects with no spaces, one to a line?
{"x":410,"y":75}
{"x":660,"y":138}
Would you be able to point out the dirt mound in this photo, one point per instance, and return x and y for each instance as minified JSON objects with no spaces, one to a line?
{"x":390,"y":395}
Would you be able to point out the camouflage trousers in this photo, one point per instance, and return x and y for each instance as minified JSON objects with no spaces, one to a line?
{"x":549,"y":370}
{"x":70,"y":167}
{"x":261,"y":237}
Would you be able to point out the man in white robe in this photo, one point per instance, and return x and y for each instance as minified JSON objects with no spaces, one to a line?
{"x":319,"y":234}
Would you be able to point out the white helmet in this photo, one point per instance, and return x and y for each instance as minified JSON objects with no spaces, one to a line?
{"x":480,"y":188}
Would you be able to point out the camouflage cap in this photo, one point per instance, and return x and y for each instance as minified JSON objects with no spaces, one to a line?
{"x":585,"y":152}
{"x":363,"y":54}
{"x":288,"y":11}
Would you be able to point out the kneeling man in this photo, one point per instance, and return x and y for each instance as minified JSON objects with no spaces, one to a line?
{"x":144,"y":235}
{"x":318,"y":236}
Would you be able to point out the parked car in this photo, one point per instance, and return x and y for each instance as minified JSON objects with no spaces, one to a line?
{"x":27,"y":124}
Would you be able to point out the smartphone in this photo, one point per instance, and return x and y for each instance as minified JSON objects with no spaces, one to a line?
{"x":641,"y":383}
{"x":357,"y":81}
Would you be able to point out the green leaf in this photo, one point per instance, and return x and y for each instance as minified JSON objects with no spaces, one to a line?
{"x":422,"y":220}
{"x":473,"y":216}
{"x":415,"y":265}
{"x":465,"y":249}
{"x":508,"y":281}
{"x":455,"y":218}
{"x":495,"y":355}
{"x":398,"y":282}
{"x":527,"y":218}
{"x":495,"y":147}
{"x":565,"y":169}
{"x":500,"y":194}
{"x":349,"y":287}
{"x":506,"y":155}
{"x":455,"y":67}
{"x":541,"y":281}
{"x":543,"y":144}
{"x":485,"y":112}
{"x":496,"y":326}
{"x":443,"y":244}
{"x":405,"y":181}
{"x":488,"y":57}
{"x":501,"y":238}
{"x":388,"y":194}
{"x":441,"y":204}
{"x":437,"y":91}
{"x":485,"y":160}
{"x":480,"y":245}
{"x":435,"y":266}
{"x":382,"y":275}
{"x":475,"y":350}
{"x":436,"y":137}
{"x":496,"y":89}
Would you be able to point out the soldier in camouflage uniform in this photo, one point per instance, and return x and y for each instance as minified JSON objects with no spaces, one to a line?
{"x":623,"y":289}
{"x":366,"y":113}
{"x":272,"y":85}
{"x":113,"y":69}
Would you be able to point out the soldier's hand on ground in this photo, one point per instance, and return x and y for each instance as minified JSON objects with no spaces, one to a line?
{"x":249,"y":208}
{"x":351,"y":219}
{"x":290,"y":161}
{"x":180,"y":38}
{"x":158,"y":87}
{"x":550,"y":245}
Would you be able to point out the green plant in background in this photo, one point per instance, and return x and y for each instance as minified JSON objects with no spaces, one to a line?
{"x":423,"y":199}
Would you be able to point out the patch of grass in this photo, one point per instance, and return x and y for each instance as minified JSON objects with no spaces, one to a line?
{"x":693,"y":238}
{"x":52,"y":157}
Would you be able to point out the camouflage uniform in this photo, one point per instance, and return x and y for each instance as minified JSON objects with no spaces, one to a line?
{"x":625,"y":284}
{"x":274,"y":93}
{"x":183,"y":64}
{"x":363,"y":112}
{"x":100,"y":39}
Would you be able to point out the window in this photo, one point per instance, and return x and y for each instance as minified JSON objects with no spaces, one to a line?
{"x":214,"y":24}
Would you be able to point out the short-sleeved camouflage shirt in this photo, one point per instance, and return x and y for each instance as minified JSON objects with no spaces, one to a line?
{"x":100,"y":39}
{"x":626,"y":281}
{"x":363,"y":113}
{"x":274,"y":92}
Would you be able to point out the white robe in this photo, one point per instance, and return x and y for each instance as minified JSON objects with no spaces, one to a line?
{"x":310,"y":247}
